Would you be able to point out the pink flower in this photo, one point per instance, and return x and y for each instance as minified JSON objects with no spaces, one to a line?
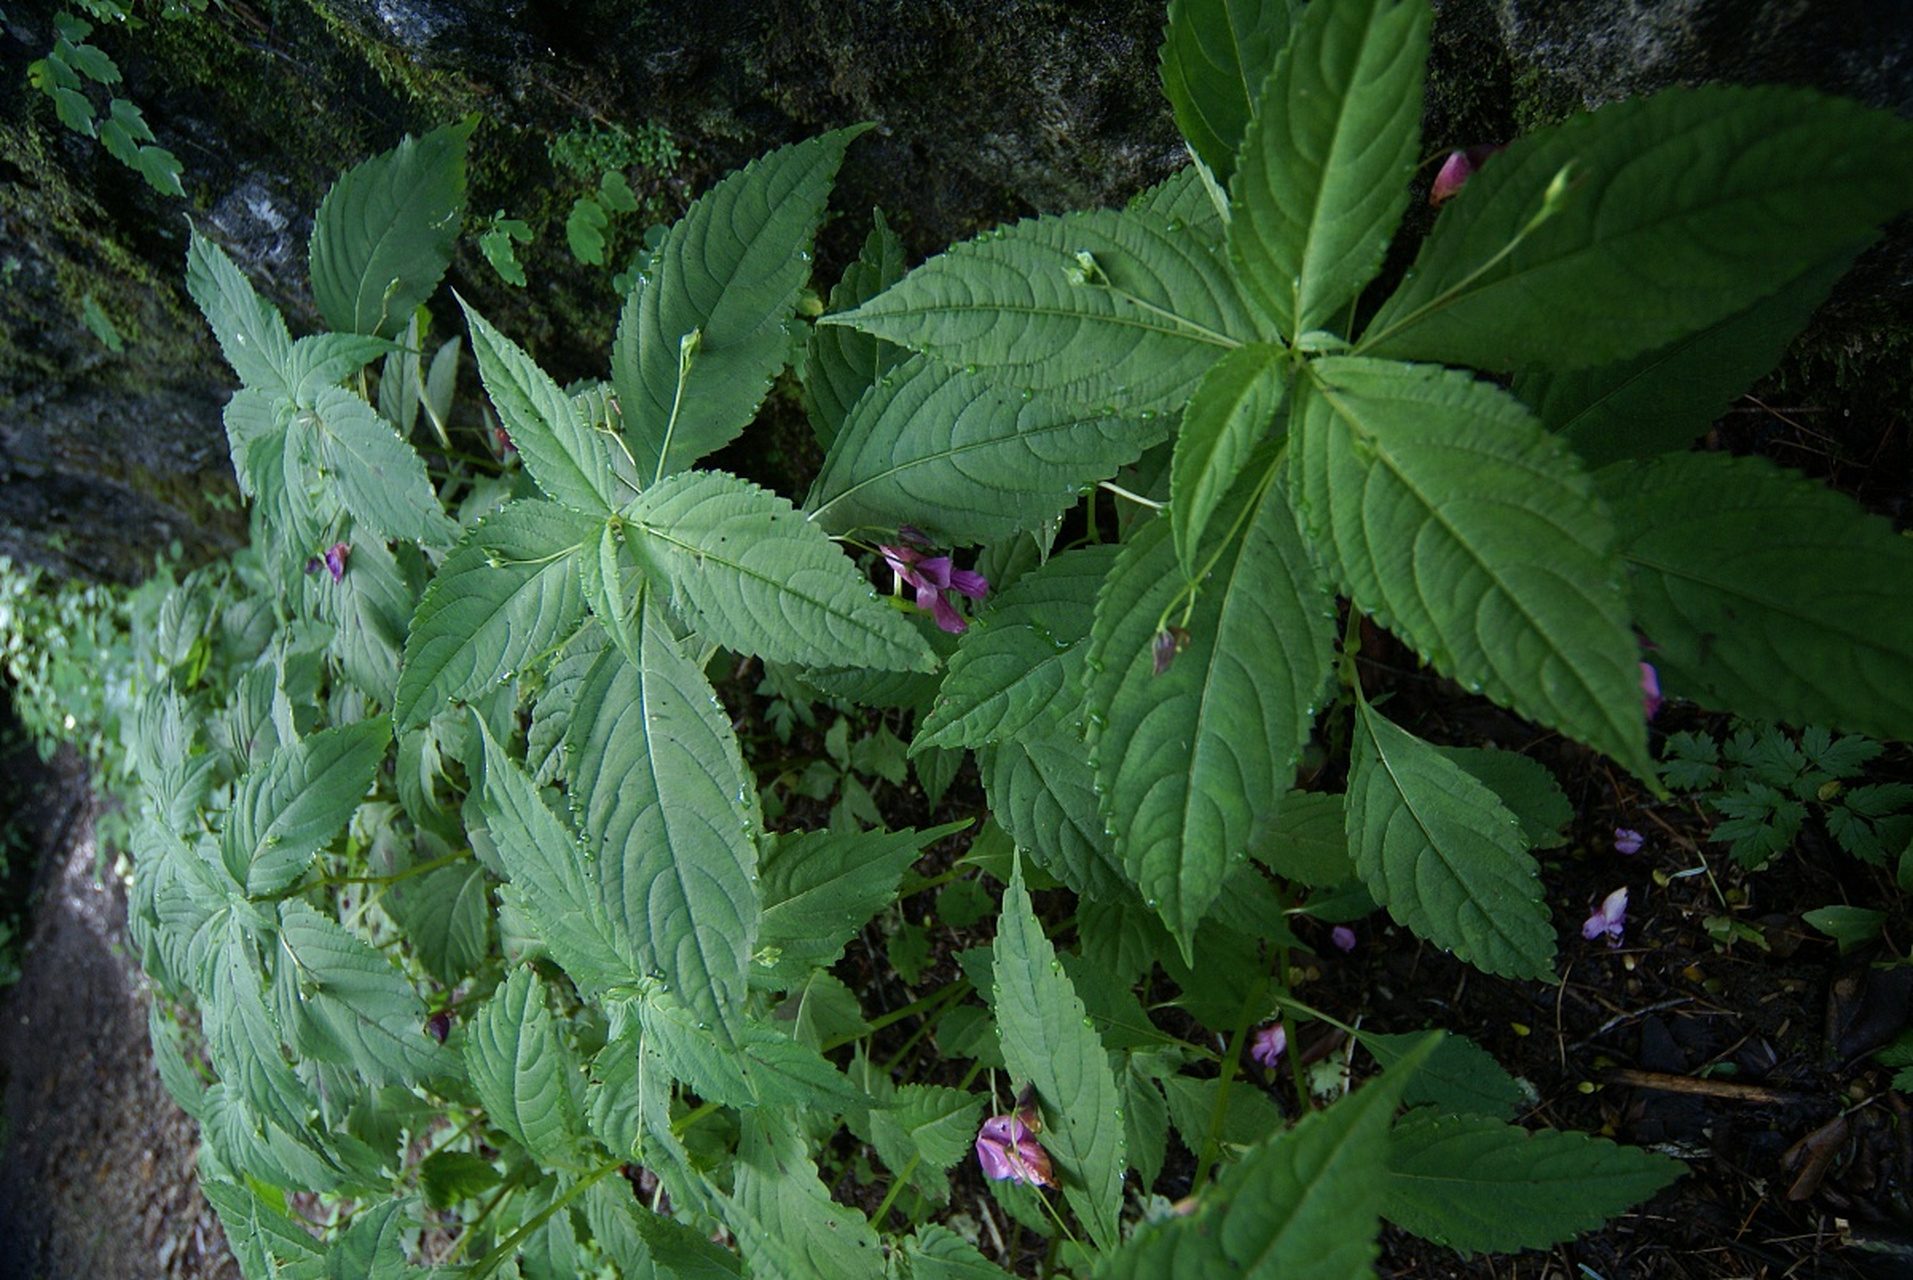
{"x":1456,"y":170}
{"x":933,"y":578}
{"x":1650,"y":689}
{"x":1627,"y":840}
{"x":1608,"y":919}
{"x":1270,"y":1042}
{"x":333,"y":560}
{"x":1343,"y":937}
{"x":1007,"y":1151}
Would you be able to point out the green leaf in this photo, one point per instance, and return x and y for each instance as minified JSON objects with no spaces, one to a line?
{"x":1764,"y":592}
{"x":447,"y":917}
{"x":1094,"y":310}
{"x":1326,"y":164}
{"x":1458,"y":1077}
{"x":1660,"y":401}
{"x":1044,"y":793}
{"x":670,"y":814}
{"x":1308,"y":841}
{"x":283,"y":814}
{"x":1215,"y":56}
{"x":820,"y":887}
{"x":1192,"y":762}
{"x":549,"y":872}
{"x":502,"y":599}
{"x":763,"y":1068}
{"x":1231,"y":411}
{"x":446,"y":1178}
{"x":926,"y":1129}
{"x":1047,"y":1041}
{"x":264,"y":1240}
{"x":161,"y":169}
{"x":569,"y":459}
{"x":327,"y":359}
{"x":242,"y":1039}
{"x":1436,"y":847}
{"x":963,"y":459}
{"x":380,"y":478}
{"x":373,"y":1246}
{"x":367,"y":1014}
{"x":1525,"y":786}
{"x":844,"y":363}
{"x":759,"y":578}
{"x":1473,"y":1183}
{"x":1303,"y":1205}
{"x":786,"y":1224}
{"x":1454,"y":520}
{"x":1658,"y":216}
{"x":584,"y":231}
{"x":385,"y":233}
{"x":251,"y":333}
{"x":1249,"y":1116}
{"x":938,"y":1253}
{"x":523,"y":1070}
{"x":1020,"y":677}
{"x":727,"y":277}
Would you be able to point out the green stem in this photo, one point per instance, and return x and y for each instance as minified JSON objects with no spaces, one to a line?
{"x":945,"y":995}
{"x":328,"y":882}
{"x":1212,"y":1140}
{"x":509,"y":1245}
{"x":896,"y":1187}
{"x":470,"y":1234}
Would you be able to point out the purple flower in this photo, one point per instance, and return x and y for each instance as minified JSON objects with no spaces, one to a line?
{"x":1169,"y":642}
{"x":1270,"y":1042}
{"x":335,"y":560}
{"x":1650,"y":689}
{"x":1627,"y":840}
{"x":1608,"y":919}
{"x":1343,"y":937}
{"x":933,"y":578}
{"x":1456,"y":170}
{"x":1007,"y":1151}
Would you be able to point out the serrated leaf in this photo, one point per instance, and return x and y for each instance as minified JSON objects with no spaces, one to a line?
{"x":1525,"y":786}
{"x":570,"y":460}
{"x":1229,"y":414}
{"x":1662,"y":400}
{"x":1437,"y":848}
{"x":759,"y":578}
{"x":1094,"y":310}
{"x":820,"y":887}
{"x":264,"y":1240}
{"x":844,"y":363}
{"x":584,"y":231}
{"x":1303,"y":1205}
{"x":1047,"y":1040}
{"x":1043,"y":791}
{"x":504,"y":597}
{"x":1668,"y":213}
{"x":1325,"y":165}
{"x":923,"y":1131}
{"x":365,"y":1006}
{"x":283,"y":814}
{"x":1473,"y":1183}
{"x":385,"y":232}
{"x":547,"y":866}
{"x":786,"y":1224}
{"x":727,"y":276}
{"x":1458,"y":523}
{"x":372,"y":1247}
{"x":761,"y":1068}
{"x":964,"y":459}
{"x":446,"y":1178}
{"x":1458,"y":1077}
{"x":1762,"y":591}
{"x":524,"y":1071}
{"x":1021,"y":676}
{"x":251,"y":333}
{"x":447,"y":917}
{"x":670,"y":815}
{"x":1191,"y":762}
{"x":938,"y":1253}
{"x":380,"y":478}
{"x":242,"y":1038}
{"x":1215,"y":56}
{"x":1307,"y":842}
{"x":325,"y":359}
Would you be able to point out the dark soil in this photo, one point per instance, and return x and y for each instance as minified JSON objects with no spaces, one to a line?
{"x":96,"y":1166}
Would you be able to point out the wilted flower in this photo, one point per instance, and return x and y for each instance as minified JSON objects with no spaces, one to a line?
{"x":439,"y":1025}
{"x":1609,"y":918}
{"x":1007,"y":1151}
{"x":1456,"y":170}
{"x":1650,"y":689}
{"x":333,"y":560}
{"x":1343,"y":937}
{"x":1270,"y":1042}
{"x":1627,"y":840}
{"x":1169,"y":642}
{"x":933,"y":577}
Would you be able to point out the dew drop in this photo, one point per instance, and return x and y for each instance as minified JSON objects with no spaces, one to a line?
{"x":1175,"y":225}
{"x":972,"y":370}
